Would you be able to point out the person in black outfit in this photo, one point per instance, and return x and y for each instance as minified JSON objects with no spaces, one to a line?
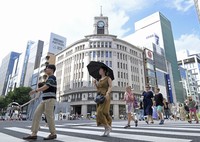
{"x":148,"y":103}
{"x":158,"y":101}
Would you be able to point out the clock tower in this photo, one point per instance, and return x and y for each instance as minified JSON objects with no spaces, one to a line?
{"x":101,"y":25}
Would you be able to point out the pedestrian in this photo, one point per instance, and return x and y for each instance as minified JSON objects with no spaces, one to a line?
{"x":166,"y":109}
{"x":141,"y":109}
{"x":46,"y":106}
{"x":159,"y":103}
{"x":187,"y":111}
{"x":182,"y":112}
{"x":192,"y":108}
{"x":174,"y":111}
{"x":148,"y":103}
{"x":129,"y":99}
{"x":104,"y":87}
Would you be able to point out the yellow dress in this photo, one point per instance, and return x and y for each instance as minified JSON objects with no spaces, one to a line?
{"x":103,"y":115}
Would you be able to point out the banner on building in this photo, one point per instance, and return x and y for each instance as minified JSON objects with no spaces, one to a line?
{"x":169,"y":88}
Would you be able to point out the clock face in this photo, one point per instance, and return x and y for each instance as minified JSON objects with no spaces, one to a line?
{"x":101,"y":24}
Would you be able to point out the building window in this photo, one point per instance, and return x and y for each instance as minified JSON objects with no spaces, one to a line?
{"x":121,"y":74}
{"x":118,"y":83}
{"x":121,"y":84}
{"x":94,"y":44}
{"x":98,"y":53}
{"x":102,"y":44}
{"x":118,"y":64}
{"x":111,"y":64}
{"x":124,"y":75}
{"x":118,"y":74}
{"x":120,"y":55}
{"x":121,"y":65}
{"x":110,"y":54}
{"x":107,"y":63}
{"x":106,"y":44}
{"x":94,"y":54}
{"x":110,"y":44}
{"x":117,"y":55}
{"x":82,"y":55}
{"x":82,"y":74}
{"x":106,"y":53}
{"x":102,"y":53}
{"x":82,"y":64}
{"x":98,"y":44}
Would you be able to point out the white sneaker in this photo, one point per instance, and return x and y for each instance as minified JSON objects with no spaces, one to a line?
{"x":107,"y":132}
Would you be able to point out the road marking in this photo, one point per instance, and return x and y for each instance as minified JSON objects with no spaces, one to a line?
{"x":60,"y":137}
{"x":164,"y":128}
{"x":120,"y":135}
{"x":146,"y":131}
{"x":8,"y":138}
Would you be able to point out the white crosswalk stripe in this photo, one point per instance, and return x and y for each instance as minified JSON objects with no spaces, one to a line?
{"x":90,"y":133}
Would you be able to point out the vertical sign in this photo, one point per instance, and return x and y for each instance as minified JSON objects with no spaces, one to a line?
{"x":169,"y":88}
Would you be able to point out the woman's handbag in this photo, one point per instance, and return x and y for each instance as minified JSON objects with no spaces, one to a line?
{"x":99,"y":99}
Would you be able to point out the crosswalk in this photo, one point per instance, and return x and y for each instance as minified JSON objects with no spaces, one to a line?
{"x":88,"y":132}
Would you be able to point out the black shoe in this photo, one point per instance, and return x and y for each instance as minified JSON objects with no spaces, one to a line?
{"x":136,"y":123}
{"x":161,"y":122}
{"x":147,"y":122}
{"x":127,"y":126}
{"x":190,"y":122}
{"x":51,"y":137}
{"x":30,"y":137}
{"x":152,"y":122}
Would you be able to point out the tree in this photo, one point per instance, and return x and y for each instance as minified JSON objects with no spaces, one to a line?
{"x":2,"y":103}
{"x":19,"y":95}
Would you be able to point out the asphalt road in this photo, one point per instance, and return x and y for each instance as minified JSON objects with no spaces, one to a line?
{"x":86,"y":131}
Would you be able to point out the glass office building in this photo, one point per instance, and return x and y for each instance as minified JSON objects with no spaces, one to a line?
{"x":6,"y":70}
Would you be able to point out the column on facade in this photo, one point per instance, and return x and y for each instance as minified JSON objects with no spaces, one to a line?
{"x":129,"y":70}
{"x":72,"y":72}
{"x":116,"y":111}
{"x":86,"y":61}
{"x":84,"y":110}
{"x":114,"y":66}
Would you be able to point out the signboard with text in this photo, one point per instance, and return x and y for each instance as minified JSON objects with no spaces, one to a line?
{"x":57,"y":43}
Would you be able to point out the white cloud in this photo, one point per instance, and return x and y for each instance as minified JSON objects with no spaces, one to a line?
{"x":190,"y":42}
{"x":24,"y":20}
{"x":181,"y":5}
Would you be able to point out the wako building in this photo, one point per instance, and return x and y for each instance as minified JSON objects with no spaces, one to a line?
{"x":74,"y":82}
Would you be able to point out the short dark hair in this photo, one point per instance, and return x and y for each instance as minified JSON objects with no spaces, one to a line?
{"x":51,"y":66}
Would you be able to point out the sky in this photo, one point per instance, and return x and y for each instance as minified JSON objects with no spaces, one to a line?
{"x":24,"y":20}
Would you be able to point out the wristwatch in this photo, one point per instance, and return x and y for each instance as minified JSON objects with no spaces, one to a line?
{"x":36,"y":90}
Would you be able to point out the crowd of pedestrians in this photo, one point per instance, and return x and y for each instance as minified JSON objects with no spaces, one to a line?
{"x":153,"y":106}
